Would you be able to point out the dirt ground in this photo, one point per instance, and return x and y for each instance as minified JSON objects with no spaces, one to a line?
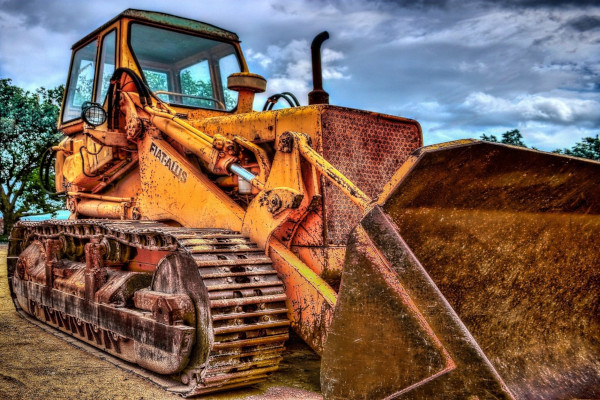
{"x":37,"y":365}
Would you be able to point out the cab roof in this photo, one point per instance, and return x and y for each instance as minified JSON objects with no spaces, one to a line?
{"x":167,"y":20}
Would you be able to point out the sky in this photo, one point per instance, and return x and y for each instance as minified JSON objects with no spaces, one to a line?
{"x":460,"y":68}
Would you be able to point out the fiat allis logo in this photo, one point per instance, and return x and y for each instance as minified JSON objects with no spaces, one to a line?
{"x":165,"y":160}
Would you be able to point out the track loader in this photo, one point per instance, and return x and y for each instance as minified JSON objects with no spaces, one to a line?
{"x":201,"y":231}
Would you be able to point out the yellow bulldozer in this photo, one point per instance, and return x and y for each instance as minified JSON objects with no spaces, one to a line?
{"x":201,"y":231}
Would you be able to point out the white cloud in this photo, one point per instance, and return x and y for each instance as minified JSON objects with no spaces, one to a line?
{"x":477,"y":66}
{"x":551,"y":137}
{"x":480,"y":27}
{"x":258,"y":57}
{"x":290,"y":69}
{"x":361,"y":24}
{"x":534,"y":107}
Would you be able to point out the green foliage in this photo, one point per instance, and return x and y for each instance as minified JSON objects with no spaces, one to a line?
{"x":105,"y":84}
{"x":513,"y":137}
{"x":196,"y":87}
{"x":203,"y":88}
{"x":230,"y":99}
{"x":589,"y":147}
{"x":491,"y":138}
{"x":83,"y":90}
{"x":27,"y":129}
{"x":157,"y":81}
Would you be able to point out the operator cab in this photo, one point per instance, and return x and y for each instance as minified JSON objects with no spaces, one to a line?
{"x":184,"y":69}
{"x":185,"y":63}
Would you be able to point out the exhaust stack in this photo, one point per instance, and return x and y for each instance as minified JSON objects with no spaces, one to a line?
{"x":318,"y":95}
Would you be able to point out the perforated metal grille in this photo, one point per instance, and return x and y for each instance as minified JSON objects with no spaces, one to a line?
{"x":367,"y":148}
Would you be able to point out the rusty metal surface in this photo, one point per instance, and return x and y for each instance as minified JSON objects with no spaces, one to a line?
{"x":484,"y":175}
{"x":39,"y":361}
{"x":393,"y":334}
{"x":244,"y":303}
{"x":511,"y":237}
{"x":330,"y":172}
{"x":168,"y":20}
{"x":367,"y":148}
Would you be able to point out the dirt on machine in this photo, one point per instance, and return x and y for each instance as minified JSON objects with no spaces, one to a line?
{"x":202,"y":231}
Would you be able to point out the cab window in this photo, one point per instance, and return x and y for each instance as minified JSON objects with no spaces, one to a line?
{"x":80,"y":85}
{"x":228,"y":65}
{"x":195,"y":82}
{"x":184,"y":69}
{"x":107,"y":64}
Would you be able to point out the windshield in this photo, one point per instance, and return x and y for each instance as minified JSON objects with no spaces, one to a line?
{"x":81,"y":81}
{"x":184,"y":69}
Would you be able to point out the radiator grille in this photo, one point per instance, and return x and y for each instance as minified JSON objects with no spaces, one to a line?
{"x":367,"y":148}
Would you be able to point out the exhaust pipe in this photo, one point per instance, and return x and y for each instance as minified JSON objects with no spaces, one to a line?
{"x":318,"y":95}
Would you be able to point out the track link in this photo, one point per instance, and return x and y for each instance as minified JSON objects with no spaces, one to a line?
{"x":247,"y":299}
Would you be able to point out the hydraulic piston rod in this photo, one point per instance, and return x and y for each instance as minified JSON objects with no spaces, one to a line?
{"x":246,"y":175}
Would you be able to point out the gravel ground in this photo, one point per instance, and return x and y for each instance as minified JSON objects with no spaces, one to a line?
{"x":37,"y":365}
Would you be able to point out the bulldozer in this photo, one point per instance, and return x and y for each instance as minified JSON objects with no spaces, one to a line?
{"x":202,"y":231}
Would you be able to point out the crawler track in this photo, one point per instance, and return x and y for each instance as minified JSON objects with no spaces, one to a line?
{"x":247,"y":299}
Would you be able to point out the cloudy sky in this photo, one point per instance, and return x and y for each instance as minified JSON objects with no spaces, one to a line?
{"x":460,"y":68}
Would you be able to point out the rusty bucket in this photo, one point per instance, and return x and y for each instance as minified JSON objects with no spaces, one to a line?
{"x":477,"y":276}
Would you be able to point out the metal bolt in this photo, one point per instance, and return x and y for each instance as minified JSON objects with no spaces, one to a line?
{"x":275,"y":204}
{"x":185,"y":378}
{"x":257,"y":278}
{"x":229,"y":280}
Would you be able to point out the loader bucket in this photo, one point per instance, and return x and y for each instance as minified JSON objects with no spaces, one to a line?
{"x":477,"y":276}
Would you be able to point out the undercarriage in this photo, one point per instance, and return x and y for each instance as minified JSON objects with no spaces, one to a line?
{"x":148,"y":293}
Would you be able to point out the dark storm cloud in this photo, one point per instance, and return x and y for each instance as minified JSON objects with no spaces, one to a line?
{"x":67,"y":16}
{"x":552,"y":3}
{"x":416,"y":4}
{"x":585,"y":23}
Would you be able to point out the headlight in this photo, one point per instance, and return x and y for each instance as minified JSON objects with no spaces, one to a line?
{"x":93,"y":113}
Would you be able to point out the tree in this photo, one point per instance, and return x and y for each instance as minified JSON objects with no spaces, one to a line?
{"x":491,"y":138}
{"x":513,"y":137}
{"x":194,"y":86}
{"x":589,"y":147}
{"x":27,"y":129}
